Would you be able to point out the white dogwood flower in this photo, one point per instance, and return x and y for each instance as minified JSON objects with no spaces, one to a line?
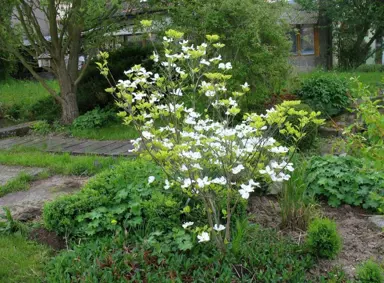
{"x":237,"y":169}
{"x":218,"y":228}
{"x":219,"y":181}
{"x":147,"y":135}
{"x":226,"y":66}
{"x":203,"y":237}
{"x":151,"y":179}
{"x":205,"y":62}
{"x":167,"y":184}
{"x":187,"y":224}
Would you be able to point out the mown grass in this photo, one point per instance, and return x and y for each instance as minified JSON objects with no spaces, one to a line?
{"x":111,"y":131}
{"x":58,"y":163}
{"x":25,"y":92}
{"x":21,"y":260}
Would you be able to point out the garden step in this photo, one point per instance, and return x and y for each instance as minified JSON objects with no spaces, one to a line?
{"x":70,"y":145}
{"x":17,"y":130}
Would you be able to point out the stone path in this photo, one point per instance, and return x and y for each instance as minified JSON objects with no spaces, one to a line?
{"x":70,"y":145}
{"x":27,"y":205}
{"x":7,"y":173}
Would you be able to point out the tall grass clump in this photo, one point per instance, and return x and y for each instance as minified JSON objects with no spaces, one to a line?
{"x":297,"y":207}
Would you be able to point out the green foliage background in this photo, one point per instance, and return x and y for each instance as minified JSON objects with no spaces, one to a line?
{"x":254,"y":34}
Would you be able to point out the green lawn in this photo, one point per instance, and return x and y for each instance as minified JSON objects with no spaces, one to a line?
{"x":58,"y":163}
{"x":112,"y":131}
{"x":14,"y":92}
{"x":21,"y":261}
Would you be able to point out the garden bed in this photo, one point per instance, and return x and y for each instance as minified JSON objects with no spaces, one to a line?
{"x":362,"y":240}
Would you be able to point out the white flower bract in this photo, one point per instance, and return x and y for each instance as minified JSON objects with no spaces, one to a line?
{"x":187,"y":224}
{"x":218,"y":228}
{"x":151,"y":179}
{"x":203,"y":237}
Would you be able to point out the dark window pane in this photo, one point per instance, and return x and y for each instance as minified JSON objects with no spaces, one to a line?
{"x":307,"y":35}
{"x":293,"y":37}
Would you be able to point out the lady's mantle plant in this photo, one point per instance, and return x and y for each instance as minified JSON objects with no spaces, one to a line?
{"x":205,"y":154}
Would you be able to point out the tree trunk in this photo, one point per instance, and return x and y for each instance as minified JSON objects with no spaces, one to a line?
{"x":379,"y":50}
{"x":70,"y":110}
{"x":68,"y":91}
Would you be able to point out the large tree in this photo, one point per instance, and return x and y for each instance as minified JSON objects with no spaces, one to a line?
{"x":74,"y":28}
{"x":356,"y":25}
{"x":255,"y":35}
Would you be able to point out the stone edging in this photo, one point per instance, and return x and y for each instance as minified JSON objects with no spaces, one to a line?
{"x":17,"y":130}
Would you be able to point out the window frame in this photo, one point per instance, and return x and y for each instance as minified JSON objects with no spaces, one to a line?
{"x":298,"y":31}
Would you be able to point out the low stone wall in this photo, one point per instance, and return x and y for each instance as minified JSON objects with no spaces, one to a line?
{"x":17,"y":130}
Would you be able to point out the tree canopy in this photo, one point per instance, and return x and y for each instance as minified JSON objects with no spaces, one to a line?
{"x":74,"y":28}
{"x":356,"y":25}
{"x":253,"y":31}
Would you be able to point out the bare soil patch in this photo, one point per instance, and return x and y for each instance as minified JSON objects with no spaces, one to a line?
{"x":51,"y":239}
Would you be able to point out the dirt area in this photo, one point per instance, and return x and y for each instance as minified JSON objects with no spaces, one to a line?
{"x":27,"y":205}
{"x":48,"y":238}
{"x":362,"y":240}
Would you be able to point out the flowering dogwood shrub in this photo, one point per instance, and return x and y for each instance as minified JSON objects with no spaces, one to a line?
{"x":206,"y":154}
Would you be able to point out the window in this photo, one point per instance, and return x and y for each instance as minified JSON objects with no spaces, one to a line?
{"x":307,"y":38}
{"x":293,"y":36}
{"x":303,"y":40}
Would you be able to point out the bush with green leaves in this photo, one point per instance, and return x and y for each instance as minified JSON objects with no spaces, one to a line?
{"x":324,"y":93}
{"x":345,"y":179}
{"x":369,"y":272}
{"x":41,"y":128}
{"x":91,"y":90}
{"x":115,"y":200}
{"x":370,"y":68}
{"x":365,"y":137}
{"x":211,"y":157}
{"x":260,"y":256}
{"x":7,"y":65}
{"x":255,"y":37}
{"x":43,"y":109}
{"x":93,"y":119}
{"x":310,"y":130}
{"x":323,"y":239}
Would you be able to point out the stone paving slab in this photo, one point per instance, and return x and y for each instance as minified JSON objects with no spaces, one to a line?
{"x":27,"y":205}
{"x":7,"y":173}
{"x":57,"y":144}
{"x":17,"y":130}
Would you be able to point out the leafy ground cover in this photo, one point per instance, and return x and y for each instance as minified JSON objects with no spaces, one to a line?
{"x":58,"y":163}
{"x":21,"y":260}
{"x":266,"y":257}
